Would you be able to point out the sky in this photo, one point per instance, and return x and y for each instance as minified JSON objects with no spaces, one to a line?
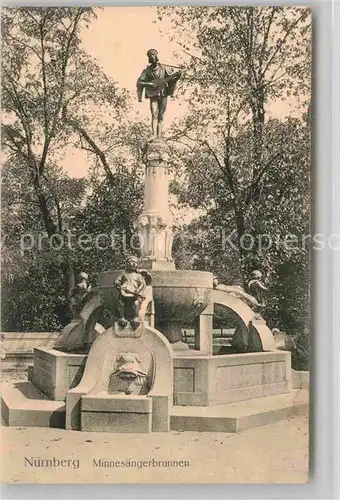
{"x":119,"y":39}
{"x":122,"y":37}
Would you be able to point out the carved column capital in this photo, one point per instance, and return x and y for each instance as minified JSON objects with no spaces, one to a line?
{"x":156,"y":153}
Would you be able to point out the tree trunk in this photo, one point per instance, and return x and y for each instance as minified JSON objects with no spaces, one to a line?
{"x":63,"y":311}
{"x":258,"y":119}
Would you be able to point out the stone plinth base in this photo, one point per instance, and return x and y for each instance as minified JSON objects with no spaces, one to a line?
{"x":112,"y":413}
{"x":22,"y":404}
{"x":237,"y":417}
{"x":201,"y":380}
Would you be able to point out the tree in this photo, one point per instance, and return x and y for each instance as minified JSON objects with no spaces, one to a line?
{"x":94,"y":210}
{"x":45,"y":73}
{"x":240,"y":61}
{"x":245,"y":169}
{"x":117,"y":187}
{"x":283,"y":203}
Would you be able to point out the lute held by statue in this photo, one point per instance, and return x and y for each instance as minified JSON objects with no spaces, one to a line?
{"x":159,"y":84}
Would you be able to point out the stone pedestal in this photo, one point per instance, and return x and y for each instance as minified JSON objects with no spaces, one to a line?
{"x":116,"y":414}
{"x":155,"y":222}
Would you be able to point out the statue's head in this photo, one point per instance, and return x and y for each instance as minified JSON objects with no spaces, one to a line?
{"x":83,"y":276}
{"x":256,"y":275}
{"x":132,"y":263}
{"x":152,"y":55}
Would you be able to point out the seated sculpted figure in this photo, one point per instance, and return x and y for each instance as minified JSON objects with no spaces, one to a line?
{"x":131,"y":288}
{"x":79,"y":293}
{"x":256,"y":288}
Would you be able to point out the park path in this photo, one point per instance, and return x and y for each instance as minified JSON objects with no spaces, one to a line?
{"x":275,"y":453}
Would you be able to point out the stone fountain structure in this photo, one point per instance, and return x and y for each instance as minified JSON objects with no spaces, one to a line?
{"x":136,"y":374}
{"x":145,"y":378}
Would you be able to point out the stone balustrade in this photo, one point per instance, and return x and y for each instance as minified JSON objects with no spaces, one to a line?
{"x":17,"y":347}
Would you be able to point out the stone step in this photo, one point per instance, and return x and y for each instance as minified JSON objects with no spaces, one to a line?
{"x":23,"y":404}
{"x":236,"y":417}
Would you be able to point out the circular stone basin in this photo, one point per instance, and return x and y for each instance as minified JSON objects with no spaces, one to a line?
{"x":179,"y":297}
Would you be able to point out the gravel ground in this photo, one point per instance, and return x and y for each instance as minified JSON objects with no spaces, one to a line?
{"x":12,"y":376}
{"x":276,"y":453}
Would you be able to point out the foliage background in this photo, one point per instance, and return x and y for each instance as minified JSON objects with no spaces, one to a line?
{"x":236,"y":168}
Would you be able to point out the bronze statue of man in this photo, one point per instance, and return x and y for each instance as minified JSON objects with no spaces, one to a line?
{"x":159,"y":82}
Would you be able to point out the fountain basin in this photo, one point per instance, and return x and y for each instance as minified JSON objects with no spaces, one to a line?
{"x":179,"y":297}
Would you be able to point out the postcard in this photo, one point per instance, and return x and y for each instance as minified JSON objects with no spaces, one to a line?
{"x":156,"y":244}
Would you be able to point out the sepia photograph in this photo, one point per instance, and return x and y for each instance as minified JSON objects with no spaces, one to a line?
{"x":156,"y":244}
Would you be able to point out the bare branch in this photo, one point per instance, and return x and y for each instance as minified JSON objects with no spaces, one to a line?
{"x":94,"y":148}
{"x":42,"y":48}
{"x":17,"y":40}
{"x":206,"y":143}
{"x":281,"y":44}
{"x":265,"y":38}
{"x":31,"y":16}
{"x":191,"y":55}
{"x":58,"y":107}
